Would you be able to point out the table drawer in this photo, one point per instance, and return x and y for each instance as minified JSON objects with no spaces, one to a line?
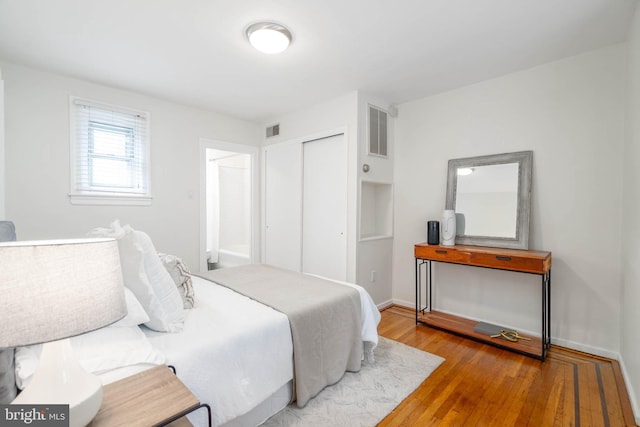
{"x":440,"y":253}
{"x":508,"y":262}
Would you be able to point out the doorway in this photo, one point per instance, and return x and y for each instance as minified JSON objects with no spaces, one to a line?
{"x":228,"y":192}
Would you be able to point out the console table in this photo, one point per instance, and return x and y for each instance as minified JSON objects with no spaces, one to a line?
{"x":523,"y":261}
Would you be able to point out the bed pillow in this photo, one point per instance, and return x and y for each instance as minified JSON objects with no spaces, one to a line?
{"x":135,"y":277}
{"x":161,"y":282}
{"x":135,"y":312}
{"x":7,"y":377}
{"x":181,"y":276}
{"x":98,"y":351}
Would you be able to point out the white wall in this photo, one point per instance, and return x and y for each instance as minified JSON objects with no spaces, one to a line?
{"x":630,"y":348}
{"x":571,"y":114}
{"x":235,"y":203}
{"x":37,"y":161}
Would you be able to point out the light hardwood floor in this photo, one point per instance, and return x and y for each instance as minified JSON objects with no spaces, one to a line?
{"x":482,"y":385}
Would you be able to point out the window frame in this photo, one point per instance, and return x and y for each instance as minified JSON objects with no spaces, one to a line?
{"x":138,"y":150}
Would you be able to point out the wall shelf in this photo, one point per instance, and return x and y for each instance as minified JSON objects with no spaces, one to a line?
{"x":376,"y":210}
{"x":370,"y":237}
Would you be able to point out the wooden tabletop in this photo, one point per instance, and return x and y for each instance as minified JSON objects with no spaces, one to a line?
{"x":145,"y":399}
{"x":526,"y":261}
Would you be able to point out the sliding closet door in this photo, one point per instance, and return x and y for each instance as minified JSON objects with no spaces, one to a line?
{"x":324,"y":207}
{"x":283,"y":205}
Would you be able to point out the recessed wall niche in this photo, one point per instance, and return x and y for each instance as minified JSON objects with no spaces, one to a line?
{"x":376,"y":210}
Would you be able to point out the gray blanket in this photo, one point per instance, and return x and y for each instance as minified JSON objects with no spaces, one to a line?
{"x":324,"y":318}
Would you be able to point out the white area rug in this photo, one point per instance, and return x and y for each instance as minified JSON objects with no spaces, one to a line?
{"x":364,"y":398}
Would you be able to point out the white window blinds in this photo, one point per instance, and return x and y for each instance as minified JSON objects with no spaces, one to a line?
{"x":110,"y":153}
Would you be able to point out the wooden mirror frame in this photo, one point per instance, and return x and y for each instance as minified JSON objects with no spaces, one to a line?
{"x":525,"y":163}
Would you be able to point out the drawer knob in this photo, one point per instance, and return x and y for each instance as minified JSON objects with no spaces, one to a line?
{"x":503,"y":258}
{"x":440,"y":251}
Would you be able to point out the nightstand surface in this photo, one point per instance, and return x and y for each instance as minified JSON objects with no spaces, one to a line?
{"x":151,"y":397}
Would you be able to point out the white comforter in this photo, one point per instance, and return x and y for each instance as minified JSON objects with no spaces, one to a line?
{"x":234,"y":352}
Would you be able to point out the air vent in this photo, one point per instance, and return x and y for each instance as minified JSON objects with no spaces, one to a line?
{"x":273,"y":131}
{"x":377,"y":131}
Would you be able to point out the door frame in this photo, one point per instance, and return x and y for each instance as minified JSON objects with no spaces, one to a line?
{"x":254,"y":153}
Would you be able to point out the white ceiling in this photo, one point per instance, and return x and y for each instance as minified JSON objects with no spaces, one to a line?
{"x":195,"y":51}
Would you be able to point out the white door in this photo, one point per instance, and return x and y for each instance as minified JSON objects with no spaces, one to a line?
{"x":283,"y":206}
{"x":324,"y":207}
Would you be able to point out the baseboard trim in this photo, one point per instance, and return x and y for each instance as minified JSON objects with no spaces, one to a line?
{"x":404,"y":304}
{"x":596,"y":351}
{"x":633,"y":399}
{"x":385,"y":304}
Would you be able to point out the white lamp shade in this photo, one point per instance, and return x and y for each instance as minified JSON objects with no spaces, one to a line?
{"x":57,"y":289}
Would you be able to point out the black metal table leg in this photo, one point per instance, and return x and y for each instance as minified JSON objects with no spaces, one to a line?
{"x":418,"y":294}
{"x":430,"y":267}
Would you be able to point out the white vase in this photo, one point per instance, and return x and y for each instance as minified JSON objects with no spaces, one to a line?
{"x":448,"y":229}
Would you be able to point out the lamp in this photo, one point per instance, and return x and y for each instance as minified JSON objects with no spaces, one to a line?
{"x":269,"y":37}
{"x":52,"y":290}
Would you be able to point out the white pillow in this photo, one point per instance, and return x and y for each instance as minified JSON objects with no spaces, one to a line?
{"x":162,"y":283}
{"x":135,"y":277}
{"x":97,"y":351}
{"x":135,"y":312}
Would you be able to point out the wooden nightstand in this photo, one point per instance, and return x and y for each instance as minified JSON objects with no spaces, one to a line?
{"x":154,"y":397}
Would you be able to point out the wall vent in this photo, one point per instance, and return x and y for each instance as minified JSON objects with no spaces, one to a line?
{"x":377,"y":131}
{"x":273,"y":131}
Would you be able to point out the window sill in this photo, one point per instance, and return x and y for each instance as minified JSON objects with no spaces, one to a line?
{"x":116,"y":200}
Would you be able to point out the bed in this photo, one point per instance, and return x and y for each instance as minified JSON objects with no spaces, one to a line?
{"x":249,"y":349}
{"x":232,"y":352}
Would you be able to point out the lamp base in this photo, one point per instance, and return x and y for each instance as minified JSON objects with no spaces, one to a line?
{"x":60,"y":379}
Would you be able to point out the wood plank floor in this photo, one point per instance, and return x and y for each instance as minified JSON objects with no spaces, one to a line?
{"x":481,"y":385}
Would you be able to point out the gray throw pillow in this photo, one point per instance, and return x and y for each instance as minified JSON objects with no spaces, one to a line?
{"x":7,"y":376}
{"x":7,"y":371}
{"x":7,"y":231}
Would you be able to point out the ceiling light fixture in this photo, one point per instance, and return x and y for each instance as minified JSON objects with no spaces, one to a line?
{"x":269,"y":37}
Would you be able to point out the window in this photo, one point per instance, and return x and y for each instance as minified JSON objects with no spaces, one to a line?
{"x":377,"y":131}
{"x":109,"y":154}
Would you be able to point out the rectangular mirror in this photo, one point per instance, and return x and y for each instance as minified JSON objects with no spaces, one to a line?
{"x":491,"y":196}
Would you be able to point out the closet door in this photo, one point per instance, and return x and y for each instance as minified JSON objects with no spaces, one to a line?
{"x":324,"y":207}
{"x":283,"y":206}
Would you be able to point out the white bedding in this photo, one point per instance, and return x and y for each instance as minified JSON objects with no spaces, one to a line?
{"x":234,"y":353}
